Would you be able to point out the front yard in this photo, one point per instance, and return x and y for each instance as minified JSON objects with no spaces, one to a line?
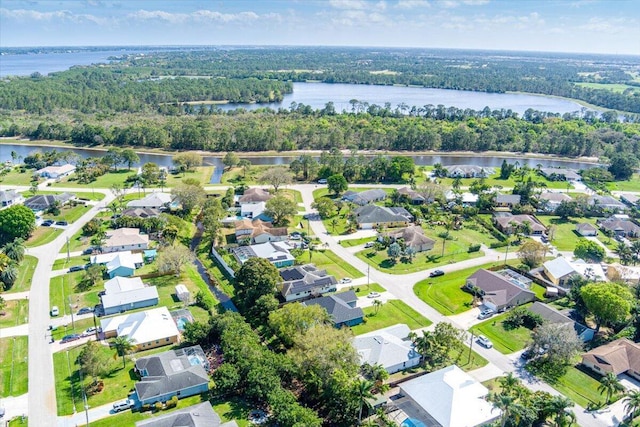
{"x":42,"y":236}
{"x":15,"y":313}
{"x":504,"y":340}
{"x":390,"y":313}
{"x":326,"y":259}
{"x":25,"y":274}
{"x":565,"y":236}
{"x":14,"y":360}
{"x":579,"y":386}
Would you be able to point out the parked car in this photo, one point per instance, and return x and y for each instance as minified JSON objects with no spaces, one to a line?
{"x":436,"y":273}
{"x":369,"y":244}
{"x":69,"y":338}
{"x":48,"y":222}
{"x":55,"y":311}
{"x":76,"y":268}
{"x":345,"y":280}
{"x":485,"y":314}
{"x":85,"y":310}
{"x":87,"y":251}
{"x":322,"y":181}
{"x":63,"y":223}
{"x":484,"y":341}
{"x":90,"y":331}
{"x":122,"y":406}
{"x":373,"y":295}
{"x":295,"y":236}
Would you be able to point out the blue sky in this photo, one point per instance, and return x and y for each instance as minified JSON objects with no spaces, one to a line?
{"x":605,"y":26}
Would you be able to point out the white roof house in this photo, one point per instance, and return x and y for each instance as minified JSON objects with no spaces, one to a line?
{"x":153,"y":200}
{"x":388,"y":347}
{"x":122,"y":293}
{"x":450,"y":396}
{"x":591,"y":272}
{"x":56,"y":171}
{"x":108,"y":257}
{"x":252,"y":210}
{"x":559,"y":270}
{"x":155,"y":326}
{"x":125,"y":239}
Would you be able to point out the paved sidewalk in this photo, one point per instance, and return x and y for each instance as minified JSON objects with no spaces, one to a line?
{"x":15,"y":406}
{"x":15,"y":331}
{"x":15,"y":296}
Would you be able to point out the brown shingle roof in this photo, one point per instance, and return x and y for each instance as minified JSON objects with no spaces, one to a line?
{"x":618,"y":356}
{"x":253,"y":195}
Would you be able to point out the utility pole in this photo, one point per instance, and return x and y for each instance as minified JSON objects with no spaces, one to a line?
{"x":73,"y":326}
{"x":68,"y":252}
{"x":470,"y":347}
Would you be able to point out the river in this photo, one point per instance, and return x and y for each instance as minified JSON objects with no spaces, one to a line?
{"x":420,"y":160}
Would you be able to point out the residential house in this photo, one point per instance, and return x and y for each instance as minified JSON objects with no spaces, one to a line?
{"x":45,"y":201}
{"x":508,"y":223}
{"x":549,"y":201}
{"x":465,"y":199}
{"x":254,"y":195}
{"x":448,"y":397}
{"x":372,"y":216}
{"x":254,"y":211}
{"x":155,"y":200}
{"x":341,"y":308}
{"x":621,"y":356}
{"x":551,"y":315}
{"x":412,"y":196}
{"x":120,"y":264}
{"x":591,"y":271}
{"x":125,"y":239}
{"x":501,"y":290}
{"x":507,"y":200}
{"x":585,"y":229}
{"x":632,"y":200}
{"x":413,"y":237}
{"x":258,"y":231}
{"x":181,"y":372}
{"x":365,"y":197}
{"x":122,"y":294}
{"x":146,"y":329}
{"x":198,"y":415}
{"x":559,"y":271}
{"x":389,"y":347}
{"x":620,"y":226}
{"x":558,"y":174}
{"x":141,"y":212}
{"x":276,"y":252}
{"x":303,"y":281}
{"x":607,"y":203}
{"x":469,"y":171}
{"x":10,"y":198}
{"x":55,"y":172}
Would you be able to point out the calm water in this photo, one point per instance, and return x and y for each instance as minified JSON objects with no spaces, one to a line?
{"x":421,"y":160}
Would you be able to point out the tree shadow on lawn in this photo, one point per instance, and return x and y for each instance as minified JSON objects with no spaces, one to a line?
{"x":238,"y":408}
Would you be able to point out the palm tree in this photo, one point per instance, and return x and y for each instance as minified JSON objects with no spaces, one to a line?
{"x":376,"y":305}
{"x":632,"y":404}
{"x":363,"y":392}
{"x":510,"y":384}
{"x":610,"y":384}
{"x":557,"y":407}
{"x":8,"y":271}
{"x":504,"y":403}
{"x":333,"y":224}
{"x":124,"y":345}
{"x":15,"y":250}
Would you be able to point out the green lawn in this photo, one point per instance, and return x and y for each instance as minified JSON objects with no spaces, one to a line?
{"x":15,"y":177}
{"x":325,"y":259}
{"x":565,"y":238}
{"x":105,"y":181}
{"x":495,"y":181}
{"x":63,"y":264}
{"x":68,"y":213}
{"x":579,"y":386}
{"x":15,"y":313}
{"x":201,"y":174}
{"x":364,"y":290}
{"x":614,"y":87}
{"x":93,"y":196}
{"x":235,"y":176}
{"x":390,"y":313}
{"x":78,"y":242}
{"x":347,"y":243}
{"x":14,"y":360}
{"x":19,"y":422}
{"x":504,"y":340}
{"x":62,"y":291}
{"x":632,"y":184}
{"x":42,"y":236}
{"x":445,"y":293}
{"x":25,"y":273}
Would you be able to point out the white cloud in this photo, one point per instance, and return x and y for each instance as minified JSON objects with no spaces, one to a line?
{"x":610,"y":26}
{"x":475,"y":2}
{"x":412,"y":4}
{"x":349,"y":4}
{"x":25,"y":15}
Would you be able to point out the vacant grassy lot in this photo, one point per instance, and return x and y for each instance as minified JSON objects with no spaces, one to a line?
{"x":444,"y":293}
{"x":504,"y":340}
{"x":579,"y":386}
{"x":68,"y":213}
{"x":42,"y":236}
{"x":614,"y":87}
{"x":632,"y":184}
{"x":63,"y":291}
{"x":13,"y":366}
{"x":15,"y":177}
{"x":329,"y":261}
{"x":25,"y":274}
{"x":236,"y":176}
{"x":15,"y":313}
{"x":364,"y":290}
{"x":201,"y":174}
{"x":390,"y":313}
{"x":566,"y":238}
{"x":347,"y":243}
{"x":495,"y":181}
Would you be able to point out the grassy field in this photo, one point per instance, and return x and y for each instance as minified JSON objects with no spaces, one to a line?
{"x":347,"y":243}
{"x":566,"y":238}
{"x":201,"y":174}
{"x":325,"y":259}
{"x":632,"y":184}
{"x":444,"y":293}
{"x":105,"y":181}
{"x":579,"y":386}
{"x":504,"y":340}
{"x":68,"y":213}
{"x":62,"y":292}
{"x":15,"y":313}
{"x":364,"y":290}
{"x":63,"y":264}
{"x":495,"y":181}
{"x":15,"y":177}
{"x":390,"y":313}
{"x":235,"y":176}
{"x":14,"y":366}
{"x":42,"y":236}
{"x":19,"y":422}
{"x":614,"y":87}
{"x":25,"y":274}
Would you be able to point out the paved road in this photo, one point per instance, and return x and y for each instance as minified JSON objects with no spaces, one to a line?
{"x":41,"y":379}
{"x":401,"y":287}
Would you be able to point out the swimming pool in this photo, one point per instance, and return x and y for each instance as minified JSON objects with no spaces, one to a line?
{"x":181,"y":322}
{"x":412,"y":422}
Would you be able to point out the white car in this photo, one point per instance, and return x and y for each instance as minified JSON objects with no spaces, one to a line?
{"x":369,"y":245}
{"x":485,"y":314}
{"x":373,"y":295}
{"x":90,"y":331}
{"x":484,"y":341}
{"x":345,"y":281}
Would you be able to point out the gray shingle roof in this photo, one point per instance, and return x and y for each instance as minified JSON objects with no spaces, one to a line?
{"x":338,"y":306}
{"x":44,"y":201}
{"x":200,"y":415}
{"x":379,"y":214}
{"x":303,"y":278}
{"x":496,"y":287}
{"x":554,"y":316}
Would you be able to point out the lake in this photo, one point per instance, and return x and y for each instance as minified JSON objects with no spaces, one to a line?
{"x":316,"y":95}
{"x":420,"y":160}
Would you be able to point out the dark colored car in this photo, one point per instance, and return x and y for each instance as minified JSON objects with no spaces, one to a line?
{"x":69,"y":338}
{"x":76,"y":268}
{"x":62,"y":223}
{"x":88,"y":251}
{"x":436,"y":273}
{"x":48,"y":223}
{"x":85,"y":310}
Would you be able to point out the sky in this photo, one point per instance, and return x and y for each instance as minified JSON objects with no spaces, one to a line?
{"x":593,"y":26}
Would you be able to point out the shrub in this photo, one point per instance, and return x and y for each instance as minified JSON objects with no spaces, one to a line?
{"x":158,"y":406}
{"x":520,"y":316}
{"x":495,"y":245}
{"x":474,"y":248}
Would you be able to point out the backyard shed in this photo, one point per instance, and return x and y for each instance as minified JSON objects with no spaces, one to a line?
{"x":182,"y":293}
